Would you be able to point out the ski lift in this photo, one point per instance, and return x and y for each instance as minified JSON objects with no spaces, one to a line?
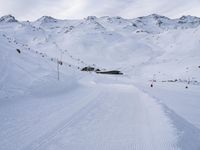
{"x":60,"y":62}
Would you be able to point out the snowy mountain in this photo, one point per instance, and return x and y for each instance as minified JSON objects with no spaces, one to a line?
{"x":92,"y":111}
{"x":8,"y":19}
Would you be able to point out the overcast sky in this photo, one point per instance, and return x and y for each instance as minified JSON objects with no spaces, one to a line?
{"x":76,"y":9}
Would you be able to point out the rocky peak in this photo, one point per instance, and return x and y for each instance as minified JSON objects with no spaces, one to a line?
{"x":8,"y":19}
{"x":47,"y":19}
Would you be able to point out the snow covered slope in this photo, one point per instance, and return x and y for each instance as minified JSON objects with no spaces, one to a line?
{"x":91,"y":111}
{"x":22,"y":66}
{"x":148,"y":44}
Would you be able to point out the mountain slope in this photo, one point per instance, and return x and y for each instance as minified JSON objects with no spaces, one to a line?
{"x":114,"y":42}
{"x":92,"y":111}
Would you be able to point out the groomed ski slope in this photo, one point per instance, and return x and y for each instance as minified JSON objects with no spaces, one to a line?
{"x":97,"y":114}
{"x":88,"y":111}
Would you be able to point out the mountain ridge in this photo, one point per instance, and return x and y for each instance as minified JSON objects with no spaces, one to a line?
{"x":138,"y":47}
{"x":153,"y":23}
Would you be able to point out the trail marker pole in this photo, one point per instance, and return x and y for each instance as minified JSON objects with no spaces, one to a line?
{"x":58,"y":69}
{"x":188,"y":82}
{"x":153,"y":80}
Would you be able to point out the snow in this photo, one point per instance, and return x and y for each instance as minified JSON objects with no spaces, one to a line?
{"x":8,"y":19}
{"x":182,"y":105}
{"x":85,"y":110}
{"x":111,"y":121}
{"x":174,"y":91}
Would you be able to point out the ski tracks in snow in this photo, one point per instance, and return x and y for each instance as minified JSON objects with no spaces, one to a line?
{"x":48,"y":137}
{"x":117,"y":117}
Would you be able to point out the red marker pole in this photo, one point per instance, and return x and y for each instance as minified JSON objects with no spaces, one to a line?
{"x":152,"y":80}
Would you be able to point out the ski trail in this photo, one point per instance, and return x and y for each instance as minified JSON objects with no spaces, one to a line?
{"x":189,"y":135}
{"x":47,"y":138}
{"x":119,"y":117}
{"x":4,"y":73}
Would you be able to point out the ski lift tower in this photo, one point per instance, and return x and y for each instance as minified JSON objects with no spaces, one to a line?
{"x":58,"y":61}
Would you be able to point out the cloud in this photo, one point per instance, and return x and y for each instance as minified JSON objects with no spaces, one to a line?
{"x":33,"y":9}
